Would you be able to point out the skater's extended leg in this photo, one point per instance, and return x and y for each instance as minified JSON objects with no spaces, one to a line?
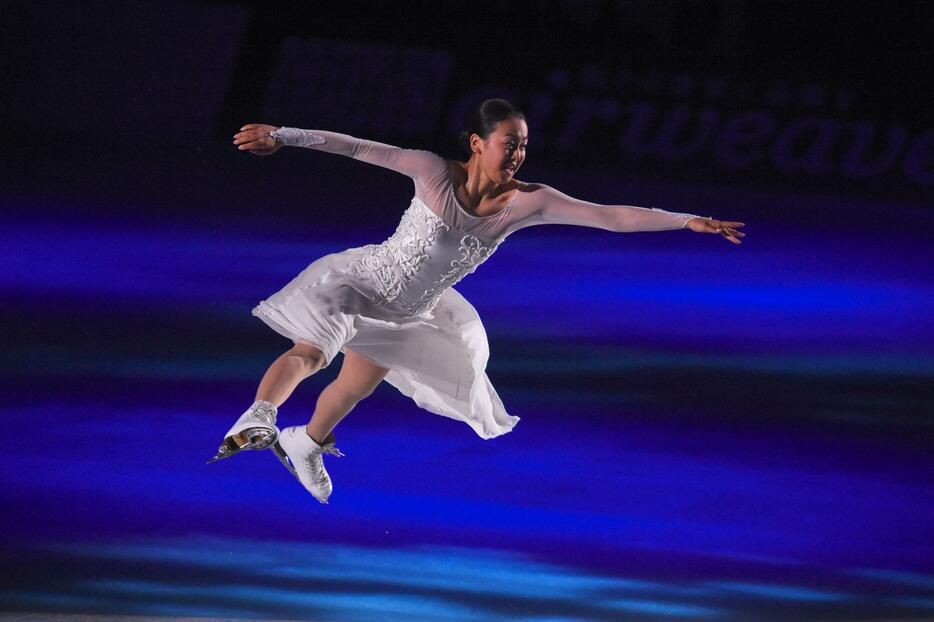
{"x":357,"y":379}
{"x":300,"y":448}
{"x":287,"y":371}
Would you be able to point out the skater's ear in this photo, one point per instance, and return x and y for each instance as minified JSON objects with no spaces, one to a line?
{"x":476,"y":143}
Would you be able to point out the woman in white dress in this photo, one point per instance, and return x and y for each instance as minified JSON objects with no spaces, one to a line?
{"x":390,"y":308}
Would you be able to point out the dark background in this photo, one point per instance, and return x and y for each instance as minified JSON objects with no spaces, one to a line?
{"x":708,"y":430}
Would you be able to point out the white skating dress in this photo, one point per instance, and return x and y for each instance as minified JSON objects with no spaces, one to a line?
{"x":393,"y":303}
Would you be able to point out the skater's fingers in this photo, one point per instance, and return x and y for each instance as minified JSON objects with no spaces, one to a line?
{"x":726,"y":231}
{"x":244,"y":137}
{"x":252,"y":144}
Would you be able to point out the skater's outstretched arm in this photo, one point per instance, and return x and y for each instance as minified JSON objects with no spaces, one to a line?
{"x":546,"y":205}
{"x":266,"y":139}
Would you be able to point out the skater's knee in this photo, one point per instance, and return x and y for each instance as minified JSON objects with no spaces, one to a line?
{"x":359,"y":376}
{"x":312,"y":355}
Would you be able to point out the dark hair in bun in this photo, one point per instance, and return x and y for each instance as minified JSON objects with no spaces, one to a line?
{"x":484,"y":118}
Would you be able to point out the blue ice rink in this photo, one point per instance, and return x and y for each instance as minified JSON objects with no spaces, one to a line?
{"x":707,"y":432}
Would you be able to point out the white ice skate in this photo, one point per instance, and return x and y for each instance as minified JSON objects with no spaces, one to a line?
{"x":255,"y":429}
{"x":295,"y":446}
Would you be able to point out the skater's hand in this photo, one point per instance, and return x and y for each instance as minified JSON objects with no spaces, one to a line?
{"x":255,"y":138}
{"x":723,"y":227}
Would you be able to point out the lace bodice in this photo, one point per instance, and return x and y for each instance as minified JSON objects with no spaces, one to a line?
{"x":422,"y":258}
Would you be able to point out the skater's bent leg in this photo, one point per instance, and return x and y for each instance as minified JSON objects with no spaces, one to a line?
{"x":287,"y":371}
{"x":357,"y":379}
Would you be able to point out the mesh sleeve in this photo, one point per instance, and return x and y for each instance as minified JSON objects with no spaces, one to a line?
{"x":415,"y":163}
{"x":550,"y":206}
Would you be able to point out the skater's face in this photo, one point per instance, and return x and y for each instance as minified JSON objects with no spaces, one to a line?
{"x":503,"y":151}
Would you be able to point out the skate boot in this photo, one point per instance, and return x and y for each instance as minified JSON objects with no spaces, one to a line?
{"x":295,"y":446}
{"x":255,"y":429}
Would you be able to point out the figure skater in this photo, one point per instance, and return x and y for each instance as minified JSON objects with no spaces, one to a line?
{"x":391,"y":308}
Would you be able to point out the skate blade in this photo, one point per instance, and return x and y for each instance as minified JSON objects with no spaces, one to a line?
{"x":283,"y":458}
{"x":250,"y":438}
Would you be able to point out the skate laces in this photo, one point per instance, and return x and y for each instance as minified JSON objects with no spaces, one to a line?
{"x":334,"y":451}
{"x":315,"y":461}
{"x":317,"y":468}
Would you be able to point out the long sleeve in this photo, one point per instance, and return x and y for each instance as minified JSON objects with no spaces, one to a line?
{"x":546,"y":205}
{"x":416,"y":163}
